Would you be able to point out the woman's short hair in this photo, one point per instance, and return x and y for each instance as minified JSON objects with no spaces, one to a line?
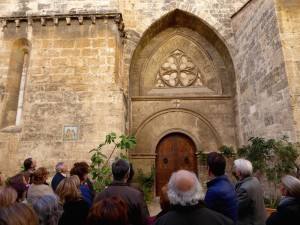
{"x":47,"y":209}
{"x":8,"y":196}
{"x":292,"y":185}
{"x":18,"y":213}
{"x":80,"y":169}
{"x":40,"y":175}
{"x":109,"y":211}
{"x":68,"y":189}
{"x":243,"y":166}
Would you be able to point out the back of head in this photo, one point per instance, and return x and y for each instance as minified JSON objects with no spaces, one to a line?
{"x":59,"y":167}
{"x":292,"y":185}
{"x":47,"y":210}
{"x":216,"y":163}
{"x":120,"y":169}
{"x":18,"y":213}
{"x":243,"y":167}
{"x":81,"y":169}
{"x":68,"y":189}
{"x":8,"y":196}
{"x":109,"y":211}
{"x":184,"y":188}
{"x":40,"y":176}
{"x":28,"y":164}
{"x":163,"y":198}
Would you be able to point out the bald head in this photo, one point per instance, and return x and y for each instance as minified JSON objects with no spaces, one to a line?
{"x":184,"y":188}
{"x":184,"y":180}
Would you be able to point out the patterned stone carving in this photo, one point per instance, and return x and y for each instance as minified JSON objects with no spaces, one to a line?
{"x":178,"y":70}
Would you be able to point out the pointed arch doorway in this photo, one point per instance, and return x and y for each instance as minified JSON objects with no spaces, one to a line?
{"x":175,"y":151}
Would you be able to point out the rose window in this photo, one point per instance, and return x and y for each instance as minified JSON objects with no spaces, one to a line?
{"x":178,"y":70}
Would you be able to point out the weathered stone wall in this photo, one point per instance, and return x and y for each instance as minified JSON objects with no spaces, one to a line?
{"x":263,"y":92}
{"x":289,"y":25}
{"x":73,"y":80}
{"x":48,"y":7}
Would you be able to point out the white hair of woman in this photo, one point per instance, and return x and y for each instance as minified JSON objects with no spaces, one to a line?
{"x":184,"y":188}
{"x":59,"y":167}
{"x":47,"y":209}
{"x":292,"y":186}
{"x":243,"y":167}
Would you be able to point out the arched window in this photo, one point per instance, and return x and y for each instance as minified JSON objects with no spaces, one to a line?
{"x":15,"y":86}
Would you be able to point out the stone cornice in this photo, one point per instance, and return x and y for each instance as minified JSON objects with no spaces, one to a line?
{"x":208,"y":97}
{"x":44,"y":20}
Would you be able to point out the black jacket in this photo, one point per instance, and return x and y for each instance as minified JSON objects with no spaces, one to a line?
{"x":75,"y":213}
{"x":137,"y":208}
{"x":193,"y":215}
{"x":58,"y":177}
{"x":288,"y":213}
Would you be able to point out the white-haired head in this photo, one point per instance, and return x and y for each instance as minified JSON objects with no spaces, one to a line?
{"x":292,"y":186}
{"x":60,"y":167}
{"x":184,"y":188}
{"x":242,"y":167}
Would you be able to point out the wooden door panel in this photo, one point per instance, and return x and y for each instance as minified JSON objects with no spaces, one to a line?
{"x":174,"y":152}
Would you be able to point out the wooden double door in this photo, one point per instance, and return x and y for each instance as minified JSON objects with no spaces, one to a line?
{"x":174,"y":152}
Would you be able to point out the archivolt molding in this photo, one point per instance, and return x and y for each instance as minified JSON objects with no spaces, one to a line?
{"x":199,"y":74}
{"x":187,"y":111}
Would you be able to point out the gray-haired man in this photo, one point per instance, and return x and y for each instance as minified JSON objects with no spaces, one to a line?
{"x":61,"y":170}
{"x":187,"y":208}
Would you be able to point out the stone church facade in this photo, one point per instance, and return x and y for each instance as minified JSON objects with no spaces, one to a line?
{"x":200,"y":74}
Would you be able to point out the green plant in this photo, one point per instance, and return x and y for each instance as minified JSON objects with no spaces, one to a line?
{"x":100,"y":167}
{"x":146,"y":182}
{"x":227,"y":151}
{"x":273,"y":158}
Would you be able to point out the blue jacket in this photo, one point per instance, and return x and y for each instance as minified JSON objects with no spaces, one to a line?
{"x":87,"y":194}
{"x":221,"y":197}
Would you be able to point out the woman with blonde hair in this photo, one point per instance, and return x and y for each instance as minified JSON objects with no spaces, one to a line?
{"x":18,"y":213}
{"x":75,"y":208}
{"x":8,"y":196}
{"x":288,"y":210}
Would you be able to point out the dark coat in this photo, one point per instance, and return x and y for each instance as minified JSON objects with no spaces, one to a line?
{"x":75,"y":213}
{"x":288,"y":213}
{"x":251,"y":207}
{"x":221,"y":197}
{"x":58,"y":177}
{"x":193,"y":215}
{"x":137,"y":208}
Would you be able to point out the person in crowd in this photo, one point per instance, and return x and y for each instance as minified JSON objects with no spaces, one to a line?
{"x":137,"y":208}
{"x":29,"y":167}
{"x":8,"y":196}
{"x":251,"y":207}
{"x":18,"y":214}
{"x":47,"y":209}
{"x":288,"y":210}
{"x":20,"y":184}
{"x":75,"y":207}
{"x":108,"y":211}
{"x":61,"y":173}
{"x":185,"y":194}
{"x":220,"y":195}
{"x":81,"y":169}
{"x":38,"y":188}
{"x":164,"y":205}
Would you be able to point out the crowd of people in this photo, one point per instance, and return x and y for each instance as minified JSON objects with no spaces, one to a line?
{"x":27,"y":198}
